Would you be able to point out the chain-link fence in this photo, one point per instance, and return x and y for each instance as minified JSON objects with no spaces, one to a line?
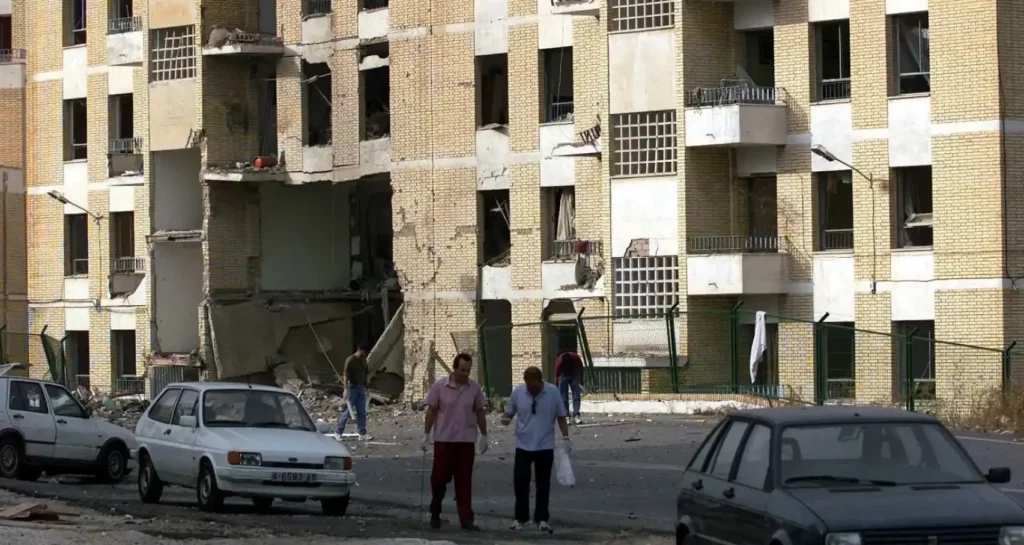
{"x":25,"y":348}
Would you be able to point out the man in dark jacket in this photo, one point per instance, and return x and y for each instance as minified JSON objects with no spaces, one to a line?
{"x":354,"y":377}
{"x":569,"y":374}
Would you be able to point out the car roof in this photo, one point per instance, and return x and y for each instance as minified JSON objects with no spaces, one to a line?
{"x":208,"y":386}
{"x":811,"y":415}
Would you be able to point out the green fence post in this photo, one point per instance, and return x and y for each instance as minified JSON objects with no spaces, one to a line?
{"x":588,"y":358}
{"x":673,"y":355}
{"x":483,"y":360}
{"x":908,"y":370}
{"x":1007,"y":384}
{"x":820,"y":363}
{"x":734,"y":346}
{"x":3,"y":353}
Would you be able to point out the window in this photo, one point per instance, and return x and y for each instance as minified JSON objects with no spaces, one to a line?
{"x":753,"y":468}
{"x":122,"y":241}
{"x":123,"y":351}
{"x":63,"y":403}
{"x":912,"y":66}
{"x":922,"y":368}
{"x":914,"y":223}
{"x":376,"y":91}
{"x":372,"y":4}
{"x":254,"y":408}
{"x":833,"y":41}
{"x":122,"y":123}
{"x":77,"y":351}
{"x":316,"y":78}
{"x":6,"y":41}
{"x":76,"y":133}
{"x":721,"y":462}
{"x":557,"y":85}
{"x":839,"y":367}
{"x":497,"y":234}
{"x":28,"y":397}
{"x":641,"y":14}
{"x":645,"y":286}
{"x":76,"y":245}
{"x":316,"y":7}
{"x":897,"y":452}
{"x":187,"y":405}
{"x":492,"y":90}
{"x":835,"y":210}
{"x":644,"y":144}
{"x":74,"y":22}
{"x":163,"y":409}
{"x":697,"y":462}
{"x":560,"y":204}
{"x":760,"y":56}
{"x":122,"y":18}
{"x":173,"y":54}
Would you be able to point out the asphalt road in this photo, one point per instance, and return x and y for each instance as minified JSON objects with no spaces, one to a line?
{"x":627,"y":477}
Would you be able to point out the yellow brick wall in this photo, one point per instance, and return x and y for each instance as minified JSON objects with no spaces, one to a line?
{"x":796,"y":346}
{"x":230,"y":110}
{"x":290,"y":126}
{"x":962,"y":46}
{"x":872,"y":211}
{"x":231,"y":249}
{"x":12,"y":111}
{"x":345,"y":106}
{"x":870,"y":43}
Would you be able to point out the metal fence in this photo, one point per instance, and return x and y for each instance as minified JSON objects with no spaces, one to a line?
{"x":19,"y":347}
{"x":162,"y":375}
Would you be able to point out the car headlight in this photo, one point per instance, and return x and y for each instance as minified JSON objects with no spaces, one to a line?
{"x":337,"y":463}
{"x":843,"y":538}
{"x":1011,"y":535}
{"x":245,"y":458}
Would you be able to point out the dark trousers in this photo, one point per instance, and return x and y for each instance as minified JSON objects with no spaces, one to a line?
{"x":453,"y":460}
{"x":540,"y":462}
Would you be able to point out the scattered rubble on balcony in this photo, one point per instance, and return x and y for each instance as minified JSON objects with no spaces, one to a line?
{"x":221,"y":36}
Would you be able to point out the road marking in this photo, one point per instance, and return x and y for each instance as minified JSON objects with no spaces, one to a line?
{"x":988,"y":440}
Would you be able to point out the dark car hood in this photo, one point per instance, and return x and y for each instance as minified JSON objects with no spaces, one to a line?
{"x":863,"y":508}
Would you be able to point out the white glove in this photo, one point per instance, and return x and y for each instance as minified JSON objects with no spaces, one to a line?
{"x":483,"y":444}
{"x":425,"y":442}
{"x":567,"y":445}
{"x":506,"y":420}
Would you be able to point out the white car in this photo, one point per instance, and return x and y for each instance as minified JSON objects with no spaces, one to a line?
{"x":228,"y":439}
{"x":44,"y":428}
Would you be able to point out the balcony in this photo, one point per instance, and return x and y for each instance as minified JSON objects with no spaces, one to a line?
{"x":124,"y":41}
{"x":125,"y":157}
{"x":126,"y":274}
{"x":575,"y":7}
{"x":735,"y":114}
{"x":736,"y":265}
{"x":242,"y":44}
{"x":572,"y":270}
{"x":12,"y":68}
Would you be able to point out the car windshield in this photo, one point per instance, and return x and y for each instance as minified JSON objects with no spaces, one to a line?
{"x":254,"y":409}
{"x":874,"y":453}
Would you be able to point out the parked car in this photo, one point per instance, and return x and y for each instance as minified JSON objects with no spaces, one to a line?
{"x":841,"y":476}
{"x":44,"y":428}
{"x":227,"y":439}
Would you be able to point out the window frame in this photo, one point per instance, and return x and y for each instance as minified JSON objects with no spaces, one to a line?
{"x":843,"y":55}
{"x":176,"y":392}
{"x":718,"y":449}
{"x":83,"y":413}
{"x":45,"y":408}
{"x":768,"y":483}
{"x":711,"y":441}
{"x":175,"y":418}
{"x":894,"y":53}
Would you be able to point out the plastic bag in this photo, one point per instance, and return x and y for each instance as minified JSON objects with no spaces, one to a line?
{"x":563,"y":468}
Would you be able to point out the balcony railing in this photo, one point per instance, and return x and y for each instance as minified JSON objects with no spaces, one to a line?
{"x":739,"y":94}
{"x":12,"y":56}
{"x":129,"y":384}
{"x":126,"y":145}
{"x":837,"y":239}
{"x":565,"y":250}
{"x":834,"y":89}
{"x":79,"y":267}
{"x":841,"y":389}
{"x":733,"y":244}
{"x":123,"y":25}
{"x":318,"y":7}
{"x":560,"y":111}
{"x":128,"y":265}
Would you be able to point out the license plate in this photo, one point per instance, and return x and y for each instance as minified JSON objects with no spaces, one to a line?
{"x":286,"y":477}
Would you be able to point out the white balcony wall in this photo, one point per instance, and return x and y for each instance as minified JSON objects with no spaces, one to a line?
{"x":76,"y":186}
{"x":736,"y":125}
{"x":120,"y":80}
{"x":737,"y":274}
{"x":639,"y":81}
{"x":73,"y":68}
{"x":317,"y":29}
{"x":910,"y":135}
{"x":496,"y":283}
{"x":12,"y":76}
{"x":756,"y":160}
{"x":77,"y":289}
{"x":832,"y":128}
{"x":373,"y":24}
{"x":753,"y":14}
{"x":121,"y":198}
{"x":645,"y":208}
{"x":834,"y":287}
{"x":76,"y":318}
{"x":895,"y":7}
{"x":913,"y":289}
{"x":827,"y":10}
{"x":492,"y":149}
{"x":124,"y":48}
{"x":556,"y":171}
{"x":553,"y":30}
{"x":555,"y":276}
{"x":491,"y":26}
{"x":5,"y":7}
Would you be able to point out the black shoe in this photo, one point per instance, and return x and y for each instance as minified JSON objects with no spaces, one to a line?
{"x":471,"y":527}
{"x":435,"y":522}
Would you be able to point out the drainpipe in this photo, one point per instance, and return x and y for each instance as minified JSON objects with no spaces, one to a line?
{"x":7,"y":265}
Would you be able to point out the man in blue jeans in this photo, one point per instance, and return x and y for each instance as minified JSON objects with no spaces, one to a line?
{"x":569,"y":375}
{"x":354,"y":377}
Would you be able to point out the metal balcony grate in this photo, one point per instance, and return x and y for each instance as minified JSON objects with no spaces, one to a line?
{"x":124,"y":25}
{"x":126,"y":265}
{"x":12,"y":56}
{"x":732,"y":244}
{"x":739,"y":94}
{"x":126,"y":145}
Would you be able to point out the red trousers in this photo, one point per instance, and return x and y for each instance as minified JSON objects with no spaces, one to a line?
{"x":453,"y":460}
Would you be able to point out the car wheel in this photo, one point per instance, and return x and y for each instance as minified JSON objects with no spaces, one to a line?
{"x":263,"y":505}
{"x":208,"y":495}
{"x":335,"y":507}
{"x":29,"y":474}
{"x":11,"y":458}
{"x":150,"y":486}
{"x":113,"y":464}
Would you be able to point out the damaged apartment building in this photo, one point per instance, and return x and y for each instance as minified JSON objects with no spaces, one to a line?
{"x":255,"y":186}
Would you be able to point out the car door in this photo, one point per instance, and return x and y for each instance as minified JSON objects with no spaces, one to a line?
{"x":77,"y":440}
{"x":719,"y":525}
{"x":182,"y":439}
{"x":30,"y":414}
{"x":692,"y":507}
{"x":746,"y":501}
{"x":154,"y":431}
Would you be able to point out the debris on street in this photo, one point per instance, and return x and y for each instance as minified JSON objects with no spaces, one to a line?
{"x":119,"y":408}
{"x":33,"y":512}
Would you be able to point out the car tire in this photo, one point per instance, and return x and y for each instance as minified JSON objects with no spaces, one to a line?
{"x":335,"y":507}
{"x":208,"y":495}
{"x":263,"y":505}
{"x":113,"y":464}
{"x":150,"y":486}
{"x":12,"y":458}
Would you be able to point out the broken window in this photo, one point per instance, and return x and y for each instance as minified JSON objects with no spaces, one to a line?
{"x":74,"y":22}
{"x":558,"y":84}
{"x":317,"y":94}
{"x":833,"y":47}
{"x":372,"y":4}
{"x":76,"y":132}
{"x":628,"y":15}
{"x":838,"y":342}
{"x":913,"y":206}
{"x":492,"y":85}
{"x":645,"y":286}
{"x":376,"y":94}
{"x":172,"y":53}
{"x":122,"y":351}
{"x":922,"y":358}
{"x":76,"y":245}
{"x":497,"y":235}
{"x":122,"y":124}
{"x":122,"y":18}
{"x":77,"y":350}
{"x":762,"y":212}
{"x":644,"y":143}
{"x":835,"y":210}
{"x":316,"y":7}
{"x":911,"y":56}
{"x":6,"y":39}
{"x":760,"y":57}
{"x":560,"y":202}
{"x":122,"y":241}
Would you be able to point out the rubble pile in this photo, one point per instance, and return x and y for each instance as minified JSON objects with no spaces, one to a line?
{"x":123,"y":410}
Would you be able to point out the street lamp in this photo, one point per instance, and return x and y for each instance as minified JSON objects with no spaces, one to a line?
{"x":822,"y":151}
{"x":59,"y":197}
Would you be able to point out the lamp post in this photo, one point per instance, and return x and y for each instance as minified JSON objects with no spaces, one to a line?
{"x":59,"y":197}
{"x":822,"y":151}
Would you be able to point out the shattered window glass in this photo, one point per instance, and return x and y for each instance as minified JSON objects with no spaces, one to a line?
{"x":254,"y":409}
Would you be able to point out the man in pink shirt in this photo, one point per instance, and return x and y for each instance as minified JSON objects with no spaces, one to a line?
{"x":455,"y":409}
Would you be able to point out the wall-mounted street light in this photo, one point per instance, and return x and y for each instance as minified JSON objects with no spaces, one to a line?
{"x":822,"y":151}
{"x":59,"y":197}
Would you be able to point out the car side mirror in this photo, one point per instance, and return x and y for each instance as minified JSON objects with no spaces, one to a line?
{"x":998,"y":475}
{"x":323,"y":427}
{"x":188,"y":421}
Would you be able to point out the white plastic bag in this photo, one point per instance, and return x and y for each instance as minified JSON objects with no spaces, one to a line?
{"x":563,"y":468}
